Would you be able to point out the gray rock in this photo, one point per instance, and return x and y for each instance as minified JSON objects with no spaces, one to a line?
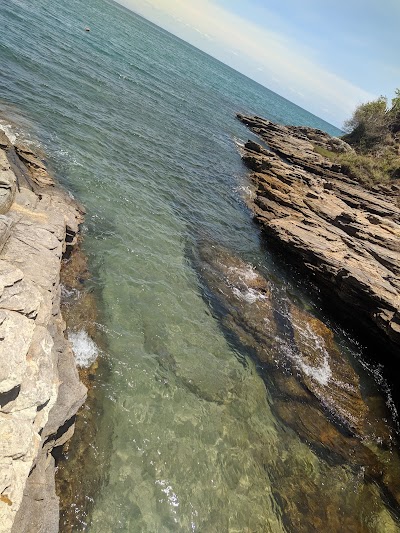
{"x":40,"y":391}
{"x":8,"y":184}
{"x":4,"y":140}
{"x":16,"y":332}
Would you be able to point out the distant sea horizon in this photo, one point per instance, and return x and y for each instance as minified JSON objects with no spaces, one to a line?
{"x":336,"y":126}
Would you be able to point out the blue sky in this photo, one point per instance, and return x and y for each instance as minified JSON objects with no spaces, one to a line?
{"x":325,"y":55}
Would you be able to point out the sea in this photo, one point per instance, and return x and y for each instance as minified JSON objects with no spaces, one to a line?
{"x":141,"y":128}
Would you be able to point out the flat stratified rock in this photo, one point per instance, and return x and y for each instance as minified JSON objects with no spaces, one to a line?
{"x":40,"y":391}
{"x":8,"y":184}
{"x":346,"y":236}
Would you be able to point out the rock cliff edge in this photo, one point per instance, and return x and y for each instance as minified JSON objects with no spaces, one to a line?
{"x":40,"y":391}
{"x":345,"y":236}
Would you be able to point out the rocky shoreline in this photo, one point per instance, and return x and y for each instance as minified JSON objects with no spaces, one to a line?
{"x":346,"y":237}
{"x":40,"y":390}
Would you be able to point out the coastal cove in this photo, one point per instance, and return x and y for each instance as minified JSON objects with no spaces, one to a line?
{"x":210,"y":349}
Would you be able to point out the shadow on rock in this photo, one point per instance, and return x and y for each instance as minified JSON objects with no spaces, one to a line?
{"x":83,"y":465}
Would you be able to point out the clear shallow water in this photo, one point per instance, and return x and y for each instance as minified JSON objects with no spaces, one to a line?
{"x":141,"y":127}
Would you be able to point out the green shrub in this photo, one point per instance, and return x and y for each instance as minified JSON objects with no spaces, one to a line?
{"x":372,"y":126}
{"x":374,"y":132}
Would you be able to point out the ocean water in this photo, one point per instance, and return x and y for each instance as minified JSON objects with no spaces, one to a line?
{"x":141,"y":128}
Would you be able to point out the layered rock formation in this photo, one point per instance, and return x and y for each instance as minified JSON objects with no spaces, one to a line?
{"x":345,"y":236}
{"x":40,"y":391}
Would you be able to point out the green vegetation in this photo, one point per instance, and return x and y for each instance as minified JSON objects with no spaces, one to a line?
{"x":325,"y":153}
{"x":366,"y":169}
{"x":374,"y":125}
{"x":374,"y":133}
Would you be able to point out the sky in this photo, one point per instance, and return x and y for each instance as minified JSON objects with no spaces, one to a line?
{"x":327,"y":56}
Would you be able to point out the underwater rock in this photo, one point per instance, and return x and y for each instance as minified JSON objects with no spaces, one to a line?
{"x":316,"y":429}
{"x":325,"y":371}
{"x":315,"y":388}
{"x":290,"y":339}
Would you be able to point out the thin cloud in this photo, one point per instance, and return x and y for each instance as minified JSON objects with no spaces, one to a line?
{"x":294,"y":65}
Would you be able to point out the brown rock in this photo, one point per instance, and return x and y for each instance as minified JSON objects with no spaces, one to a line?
{"x":297,"y":342}
{"x":314,"y":428}
{"x":317,"y":392}
{"x":35,"y":165}
{"x":345,"y":236}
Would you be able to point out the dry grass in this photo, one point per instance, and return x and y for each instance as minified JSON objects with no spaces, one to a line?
{"x":368,"y":170}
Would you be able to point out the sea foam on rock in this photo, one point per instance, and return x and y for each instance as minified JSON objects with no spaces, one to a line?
{"x":84,"y":348}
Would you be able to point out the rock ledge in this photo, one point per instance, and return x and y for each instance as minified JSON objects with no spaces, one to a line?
{"x":347,"y":237}
{"x":40,"y":391}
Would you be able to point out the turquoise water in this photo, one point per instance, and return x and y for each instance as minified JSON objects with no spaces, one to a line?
{"x":141,"y":127}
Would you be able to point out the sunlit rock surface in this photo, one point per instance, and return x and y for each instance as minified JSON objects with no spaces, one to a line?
{"x":40,"y":390}
{"x":345,"y":236}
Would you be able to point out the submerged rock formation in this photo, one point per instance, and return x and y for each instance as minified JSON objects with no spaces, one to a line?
{"x":40,"y":391}
{"x":315,"y":390}
{"x":345,"y":236}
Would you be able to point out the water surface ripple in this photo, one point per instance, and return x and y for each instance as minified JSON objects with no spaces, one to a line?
{"x":141,"y":127}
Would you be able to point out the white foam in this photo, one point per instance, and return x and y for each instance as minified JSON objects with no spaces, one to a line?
{"x":84,"y":348}
{"x":250,"y":295}
{"x":239,"y":142}
{"x":7,"y":128}
{"x":247,"y":273}
{"x":67,"y":293}
{"x":246,"y":293}
{"x":172,"y":497}
{"x":246,"y":190}
{"x":322,"y":373}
